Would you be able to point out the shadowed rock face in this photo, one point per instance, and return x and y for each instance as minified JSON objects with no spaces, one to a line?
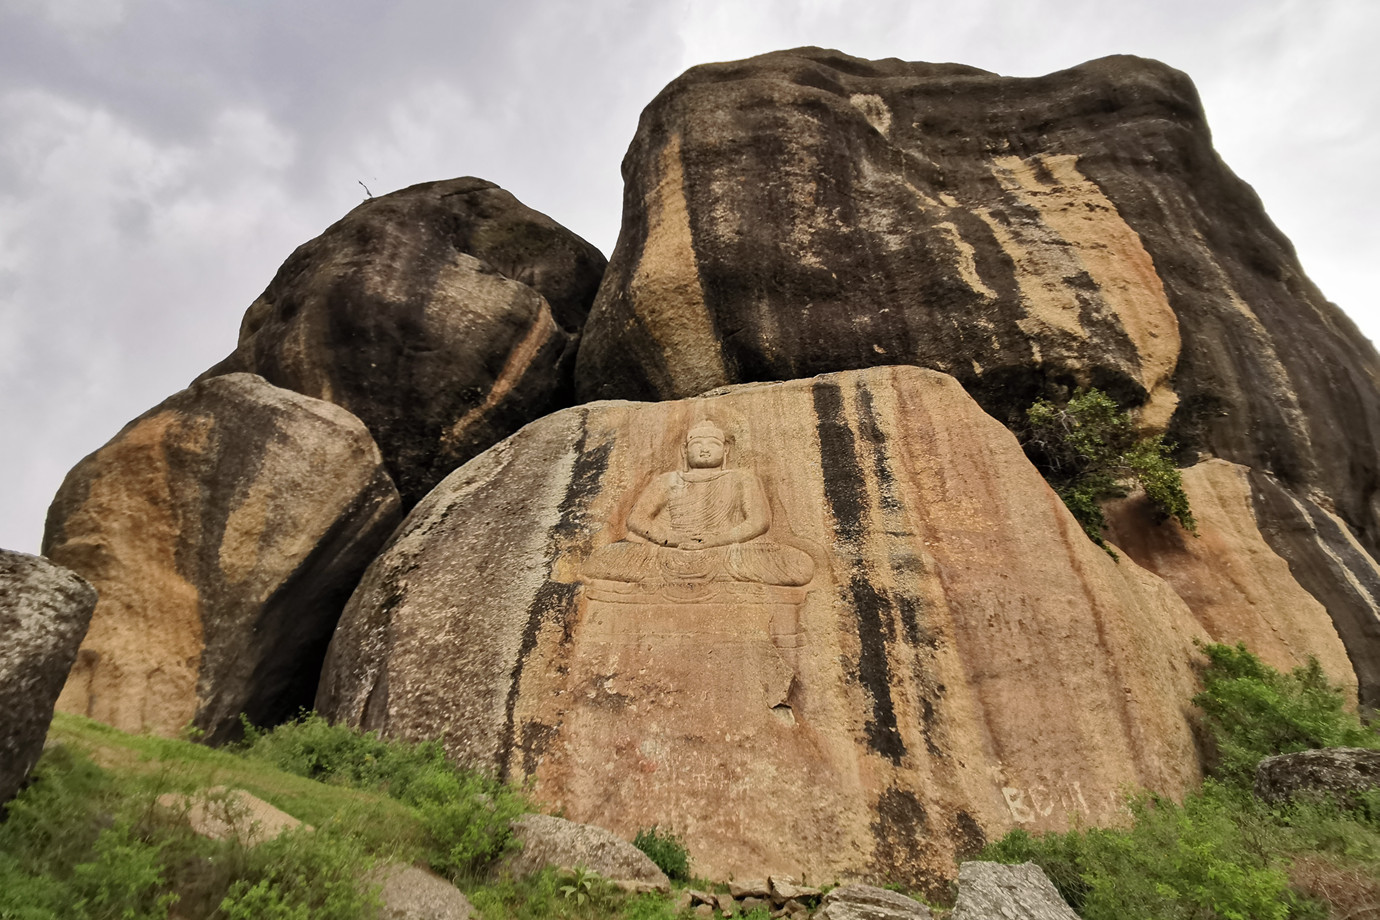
{"x":44,"y":612}
{"x":224,"y":529}
{"x":805,"y":212}
{"x":953,"y":657}
{"x":443,"y":316}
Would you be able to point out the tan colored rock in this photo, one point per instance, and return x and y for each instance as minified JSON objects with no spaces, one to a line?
{"x":750,"y":888}
{"x":231,"y":814}
{"x":1328,"y":559}
{"x":1235,"y":584}
{"x":224,"y":530}
{"x":785,"y":889}
{"x":958,"y":660}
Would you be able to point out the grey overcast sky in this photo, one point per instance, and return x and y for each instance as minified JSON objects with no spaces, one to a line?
{"x":160,"y":158}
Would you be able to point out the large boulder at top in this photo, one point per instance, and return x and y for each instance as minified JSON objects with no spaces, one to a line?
{"x":44,"y":613}
{"x":806,"y":211}
{"x":1235,"y":583}
{"x":850,"y":633}
{"x":224,"y":529}
{"x":443,"y":315}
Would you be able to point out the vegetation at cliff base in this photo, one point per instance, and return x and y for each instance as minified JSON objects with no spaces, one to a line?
{"x":1089,"y":450}
{"x":1223,"y":854}
{"x":89,"y":839}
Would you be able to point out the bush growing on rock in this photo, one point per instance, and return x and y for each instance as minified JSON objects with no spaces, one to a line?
{"x":1253,"y":711}
{"x":1089,"y":450}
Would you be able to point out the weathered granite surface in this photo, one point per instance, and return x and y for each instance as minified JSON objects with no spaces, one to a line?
{"x":992,"y":891}
{"x":44,"y":613}
{"x":443,"y":315}
{"x":865,"y":902}
{"x":1338,"y":773}
{"x":551,"y":841}
{"x":915,"y":649}
{"x":224,"y":528}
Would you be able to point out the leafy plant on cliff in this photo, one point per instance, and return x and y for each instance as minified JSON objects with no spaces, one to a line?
{"x":666,"y":850}
{"x":1089,"y":450}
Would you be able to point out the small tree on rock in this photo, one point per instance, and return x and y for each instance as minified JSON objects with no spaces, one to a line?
{"x":1089,"y":450}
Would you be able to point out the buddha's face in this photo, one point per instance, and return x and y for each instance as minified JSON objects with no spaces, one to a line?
{"x":704,"y":453}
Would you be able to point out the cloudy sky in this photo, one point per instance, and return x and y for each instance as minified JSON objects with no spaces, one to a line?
{"x":160,"y":158}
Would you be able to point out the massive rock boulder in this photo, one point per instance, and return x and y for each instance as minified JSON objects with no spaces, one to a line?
{"x":806,"y":211}
{"x":225,"y":528}
{"x":875,"y":639}
{"x":443,"y":316}
{"x":44,"y":613}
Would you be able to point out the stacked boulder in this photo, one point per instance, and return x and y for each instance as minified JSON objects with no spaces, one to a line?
{"x":810,"y":603}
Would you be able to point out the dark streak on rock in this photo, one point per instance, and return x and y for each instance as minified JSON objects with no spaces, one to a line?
{"x":1325,"y":562}
{"x":902,"y":833}
{"x":967,"y":836}
{"x":843,"y":489}
{"x":555,"y":598}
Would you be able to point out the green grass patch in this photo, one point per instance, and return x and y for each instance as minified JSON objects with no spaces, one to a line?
{"x":87,"y":840}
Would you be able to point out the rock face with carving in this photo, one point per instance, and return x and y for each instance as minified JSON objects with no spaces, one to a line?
{"x":224,"y":530}
{"x":805,"y":212}
{"x":833,"y":626}
{"x":443,"y":316}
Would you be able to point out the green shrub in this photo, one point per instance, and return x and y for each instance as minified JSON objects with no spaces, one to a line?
{"x":82,"y":843}
{"x":466,"y":814}
{"x":303,"y":875}
{"x":1089,"y":450}
{"x":1252,"y":711}
{"x":666,"y":850}
{"x":1174,"y":863}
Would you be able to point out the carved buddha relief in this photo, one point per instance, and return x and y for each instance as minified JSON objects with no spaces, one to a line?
{"x":705,"y":525}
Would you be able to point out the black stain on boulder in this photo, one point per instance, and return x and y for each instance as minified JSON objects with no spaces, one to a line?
{"x":843,"y":489}
{"x":555,"y":600}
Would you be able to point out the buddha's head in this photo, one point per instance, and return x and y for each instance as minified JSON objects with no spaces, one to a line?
{"x":704,"y":446}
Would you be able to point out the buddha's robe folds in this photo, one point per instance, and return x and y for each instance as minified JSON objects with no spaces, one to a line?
{"x":721,"y":511}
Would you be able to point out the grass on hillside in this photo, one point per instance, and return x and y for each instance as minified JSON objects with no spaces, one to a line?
{"x":86,"y":839}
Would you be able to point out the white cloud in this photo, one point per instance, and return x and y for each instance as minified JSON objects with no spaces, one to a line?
{"x":160,"y":159}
